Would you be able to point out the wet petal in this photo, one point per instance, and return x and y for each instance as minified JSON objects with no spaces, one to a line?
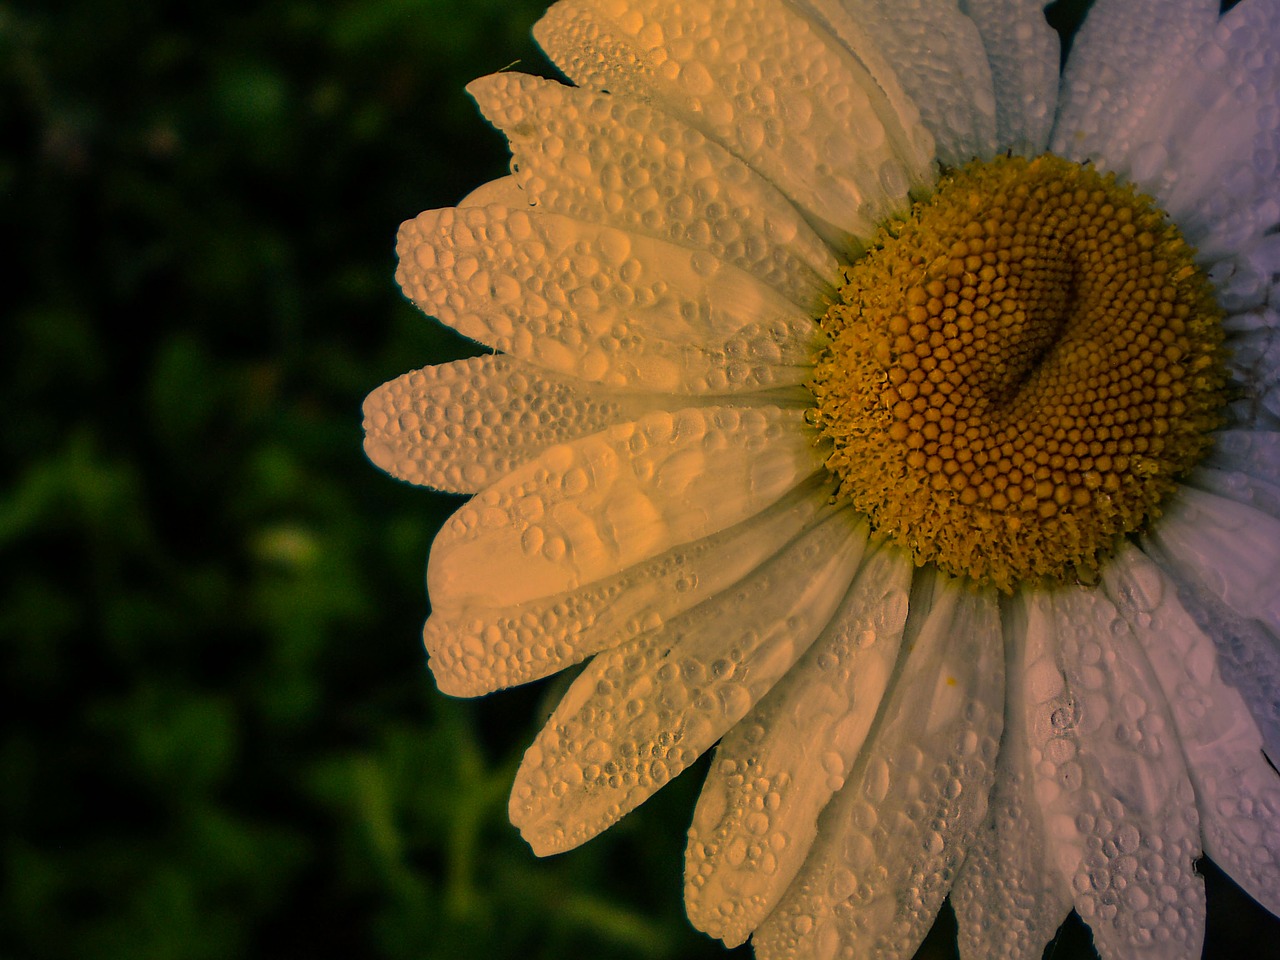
{"x":934,"y":53}
{"x":1229,"y":550}
{"x":601,"y":305}
{"x":1007,"y":898}
{"x":1237,"y":792}
{"x":639,"y":715}
{"x":607,"y":159}
{"x":1255,"y":452}
{"x":889,"y":844}
{"x":462,"y":426}
{"x":766,"y":82}
{"x":1110,"y":779}
{"x":476,"y":650}
{"x":591,"y":508}
{"x":775,"y":771}
{"x":1022,"y":51}
{"x":1126,"y":54}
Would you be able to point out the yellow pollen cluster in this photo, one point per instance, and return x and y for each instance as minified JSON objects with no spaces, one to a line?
{"x":1019,"y":370}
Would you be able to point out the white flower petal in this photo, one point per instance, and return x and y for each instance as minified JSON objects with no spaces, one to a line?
{"x":640,"y":714}
{"x":461,"y":426}
{"x":1253,"y":359}
{"x":1185,"y":106}
{"x":775,"y":771}
{"x":930,"y":51}
{"x":588,"y":509}
{"x":1007,"y":899}
{"x":1023,"y":53}
{"x":768,"y":83}
{"x":600,"y":304}
{"x":1238,"y":486}
{"x":1110,"y":779}
{"x":607,"y":159}
{"x":1238,"y":793}
{"x":889,"y":844}
{"x":476,"y":650}
{"x":1230,"y":550}
{"x":1226,"y":191}
{"x":1125,"y":56}
{"x":1255,"y":452}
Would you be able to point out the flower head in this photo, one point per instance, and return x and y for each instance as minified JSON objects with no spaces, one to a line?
{"x":869,"y":399}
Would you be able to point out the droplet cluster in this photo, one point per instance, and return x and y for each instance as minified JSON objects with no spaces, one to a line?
{"x":1019,"y":371}
{"x":765,"y":80}
{"x":476,"y":650}
{"x":608,"y":159}
{"x":1120,"y":810}
{"x":641,"y":713}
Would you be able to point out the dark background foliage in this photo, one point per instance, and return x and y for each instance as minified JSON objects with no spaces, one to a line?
{"x":220,"y":736}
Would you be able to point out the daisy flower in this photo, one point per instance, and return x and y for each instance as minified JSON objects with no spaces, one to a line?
{"x":874,"y":401}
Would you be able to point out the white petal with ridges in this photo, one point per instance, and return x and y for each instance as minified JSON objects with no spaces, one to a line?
{"x":600,"y":304}
{"x":1237,"y":792}
{"x":1008,"y":901}
{"x":934,"y":53}
{"x":1186,"y":106}
{"x":766,"y":82}
{"x":1255,"y":452}
{"x":1230,"y":550}
{"x":476,"y":650}
{"x":1023,"y":53}
{"x":1110,"y":779}
{"x":603,"y":158}
{"x":588,"y":509}
{"x":640,"y":714}
{"x":461,"y":426}
{"x":890,"y":842}
{"x":1126,"y":54}
{"x":1238,"y":486}
{"x":775,"y":771}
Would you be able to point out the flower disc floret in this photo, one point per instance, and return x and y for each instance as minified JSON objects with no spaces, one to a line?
{"x":1019,"y":371}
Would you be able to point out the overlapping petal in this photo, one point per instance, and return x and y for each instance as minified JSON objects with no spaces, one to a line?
{"x":478,"y":649}
{"x":769,"y":84}
{"x":890,"y":842}
{"x":606,"y":159}
{"x":775,"y":771}
{"x":640,"y":714}
{"x":1022,"y":53}
{"x":1008,"y":897}
{"x":934,"y":53}
{"x":601,"y":305}
{"x":1110,"y":778}
{"x":1237,"y":791}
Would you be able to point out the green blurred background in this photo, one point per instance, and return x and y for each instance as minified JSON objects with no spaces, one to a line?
{"x":220,"y":736}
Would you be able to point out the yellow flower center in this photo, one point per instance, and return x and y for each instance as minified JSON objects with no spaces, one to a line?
{"x":1019,"y":370}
